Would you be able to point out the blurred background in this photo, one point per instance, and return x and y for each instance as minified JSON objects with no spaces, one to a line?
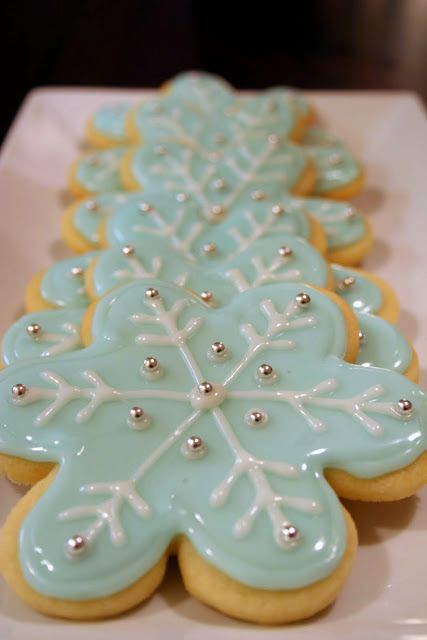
{"x":319,"y":44}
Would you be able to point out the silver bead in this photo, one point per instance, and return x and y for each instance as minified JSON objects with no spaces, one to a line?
{"x":218,"y":184}
{"x":290,"y":533}
{"x":256,"y":418}
{"x":75,"y":545}
{"x":34,"y":329}
{"x":150,"y":363}
{"x":347,"y":283}
{"x":273,"y":139}
{"x":77,"y":272}
{"x":350,"y":213}
{"x":277,"y":210}
{"x":285,"y":252}
{"x":209,"y":249}
{"x":219,"y":138}
{"x":265,"y":370}
{"x":302,"y":299}
{"x":205,"y":387}
{"x":206,"y":296}
{"x":218,"y":348}
{"x":151,"y":292}
{"x":181,"y":197}
{"x":19,"y":390}
{"x":362,"y":337}
{"x":194,"y":447}
{"x":91,"y":205}
{"x":128,"y":250}
{"x":404,"y":406}
{"x":136,"y":413}
{"x":160,"y":150}
{"x":145,"y":207}
{"x":258,"y":195}
{"x":218,"y":211}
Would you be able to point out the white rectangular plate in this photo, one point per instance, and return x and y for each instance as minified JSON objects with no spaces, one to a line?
{"x":386,"y":595}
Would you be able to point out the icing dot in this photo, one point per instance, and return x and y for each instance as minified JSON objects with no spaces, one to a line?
{"x":285,"y":252}
{"x":145,"y":207}
{"x":19,"y":390}
{"x":181,"y":197}
{"x":138,"y":419}
{"x":209,"y":249}
{"x":128,"y":250}
{"x":207,"y":396}
{"x":77,"y":272}
{"x":302,"y":299}
{"x":151,"y":292}
{"x":219,"y":184}
{"x":277,"y":210}
{"x":75,"y":546}
{"x":91,"y":205}
{"x":347,"y":283}
{"x":160,"y":150}
{"x":258,"y":195}
{"x":404,"y":407}
{"x":206,"y":296}
{"x":194,"y":447}
{"x":34,"y":329}
{"x":256,"y":418}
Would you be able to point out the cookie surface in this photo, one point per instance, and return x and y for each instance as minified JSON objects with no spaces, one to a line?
{"x":131,"y":325}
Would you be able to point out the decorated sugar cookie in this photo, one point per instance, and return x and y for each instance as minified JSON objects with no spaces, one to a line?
{"x":106,"y":128}
{"x":339,"y":174}
{"x":244,"y":499}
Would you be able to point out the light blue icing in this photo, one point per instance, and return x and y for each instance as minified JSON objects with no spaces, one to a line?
{"x":336,"y":166}
{"x":364,"y":296}
{"x":253,"y":165}
{"x":62,"y":288}
{"x":101,"y":449}
{"x":59,"y":332}
{"x":91,"y":212}
{"x":383,"y":345}
{"x":255,"y":265}
{"x":109,"y":120}
{"x":341,"y":221}
{"x":98,"y":172}
{"x":207,"y":92}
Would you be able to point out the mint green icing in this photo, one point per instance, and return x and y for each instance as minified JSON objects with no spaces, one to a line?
{"x":109,"y":120}
{"x":98,"y":172}
{"x":59,"y":332}
{"x":363,"y":296}
{"x":345,"y":418}
{"x":205,"y":91}
{"x":89,"y":214}
{"x":254,"y":164}
{"x":383,"y":345}
{"x":222,"y":275}
{"x":343,"y":224}
{"x":61,"y":287}
{"x":335,"y":164}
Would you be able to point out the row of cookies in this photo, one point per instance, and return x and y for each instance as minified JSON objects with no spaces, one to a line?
{"x":187,"y":385}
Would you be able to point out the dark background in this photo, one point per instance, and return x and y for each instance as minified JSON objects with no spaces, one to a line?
{"x":331,"y":44}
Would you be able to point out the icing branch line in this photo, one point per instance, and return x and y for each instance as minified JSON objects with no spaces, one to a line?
{"x":256,"y":230}
{"x":61,"y":342}
{"x":356,"y":406}
{"x":174,"y":336}
{"x":138,"y":269}
{"x":97,"y":395}
{"x":182,"y":168}
{"x":171,"y":231}
{"x":265,"y":498}
{"x":264,"y":274}
{"x":107,"y":513}
{"x":278,"y":323}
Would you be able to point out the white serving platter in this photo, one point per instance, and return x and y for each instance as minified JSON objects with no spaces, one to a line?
{"x":386,"y":595}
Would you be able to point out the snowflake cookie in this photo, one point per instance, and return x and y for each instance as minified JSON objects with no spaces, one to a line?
{"x":215,"y":434}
